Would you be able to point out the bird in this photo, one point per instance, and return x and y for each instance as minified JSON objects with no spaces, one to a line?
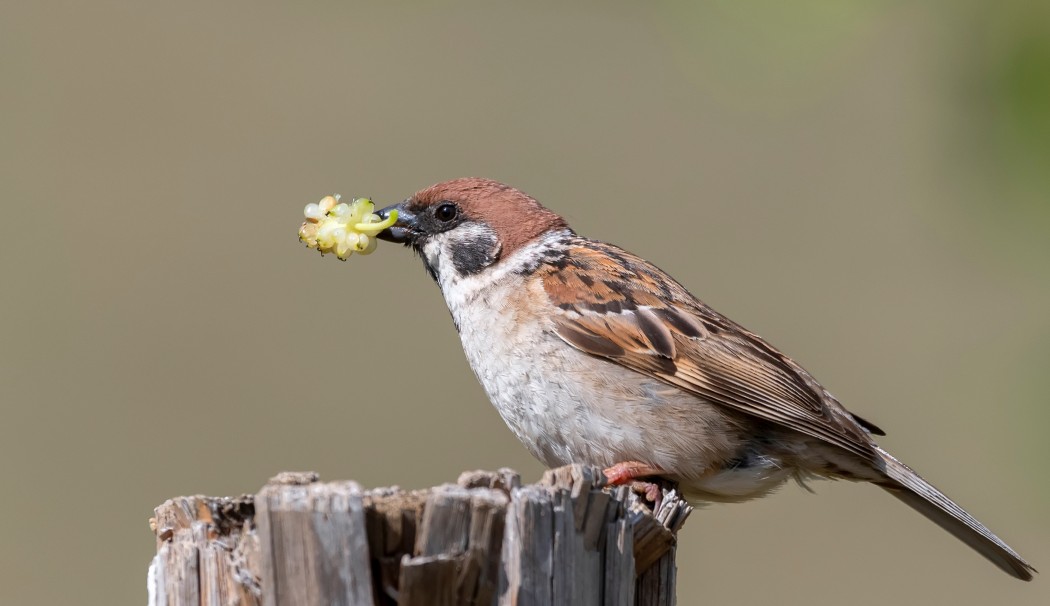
{"x":593,"y":355}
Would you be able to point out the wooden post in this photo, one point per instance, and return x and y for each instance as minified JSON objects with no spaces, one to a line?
{"x":485,"y":540}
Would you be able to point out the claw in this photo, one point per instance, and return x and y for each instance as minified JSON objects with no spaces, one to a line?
{"x":652,"y":492}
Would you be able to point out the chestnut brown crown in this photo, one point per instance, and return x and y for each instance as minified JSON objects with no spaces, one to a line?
{"x":516,"y":217}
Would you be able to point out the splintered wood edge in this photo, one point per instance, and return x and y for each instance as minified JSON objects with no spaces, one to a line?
{"x":224,"y":514}
{"x":599,"y":512}
{"x":206,"y":549}
{"x":229,"y":512}
{"x":654,"y":532}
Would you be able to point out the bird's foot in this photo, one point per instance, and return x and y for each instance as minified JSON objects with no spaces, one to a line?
{"x":650,"y":491}
{"x":629,"y":472}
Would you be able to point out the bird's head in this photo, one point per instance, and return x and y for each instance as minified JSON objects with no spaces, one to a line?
{"x":467,"y":225}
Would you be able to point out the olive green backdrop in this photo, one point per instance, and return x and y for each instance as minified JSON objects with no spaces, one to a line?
{"x":864,"y":184}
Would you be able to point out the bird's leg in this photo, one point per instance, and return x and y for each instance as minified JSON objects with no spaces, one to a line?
{"x":629,"y":472}
{"x":625,"y":472}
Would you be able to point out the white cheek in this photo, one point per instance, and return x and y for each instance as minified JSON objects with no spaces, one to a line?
{"x":432,"y":250}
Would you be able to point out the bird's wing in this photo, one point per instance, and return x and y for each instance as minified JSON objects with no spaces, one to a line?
{"x":619,"y":307}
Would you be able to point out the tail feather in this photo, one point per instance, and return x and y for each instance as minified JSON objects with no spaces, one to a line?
{"x":907,"y":486}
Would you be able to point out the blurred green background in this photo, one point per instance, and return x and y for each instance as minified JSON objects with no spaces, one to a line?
{"x":865,"y":184}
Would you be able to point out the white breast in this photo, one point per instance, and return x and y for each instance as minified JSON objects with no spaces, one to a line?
{"x":515,"y":356}
{"x":564,"y":405}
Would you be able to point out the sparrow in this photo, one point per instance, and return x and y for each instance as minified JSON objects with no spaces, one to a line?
{"x":593,"y":355}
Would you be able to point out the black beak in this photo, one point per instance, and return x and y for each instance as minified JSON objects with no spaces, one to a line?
{"x":403,"y":231}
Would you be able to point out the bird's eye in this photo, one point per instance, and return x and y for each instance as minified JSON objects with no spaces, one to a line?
{"x":445,"y":212}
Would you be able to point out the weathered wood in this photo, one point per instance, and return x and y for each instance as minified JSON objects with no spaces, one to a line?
{"x":317,"y":543}
{"x":528,"y":548}
{"x":429,"y":580}
{"x":482,"y":541}
{"x":206,"y":553}
{"x":619,"y":564}
{"x":656,"y":586}
{"x":488,"y":515}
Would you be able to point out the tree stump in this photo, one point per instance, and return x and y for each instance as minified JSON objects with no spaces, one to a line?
{"x":487,"y":539}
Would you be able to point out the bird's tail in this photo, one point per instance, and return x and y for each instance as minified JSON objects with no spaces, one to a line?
{"x":907,"y":486}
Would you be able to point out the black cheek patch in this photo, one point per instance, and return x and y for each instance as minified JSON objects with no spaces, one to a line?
{"x":475,"y":255}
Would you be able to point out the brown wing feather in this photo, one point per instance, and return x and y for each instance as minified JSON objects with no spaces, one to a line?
{"x":620,"y":307}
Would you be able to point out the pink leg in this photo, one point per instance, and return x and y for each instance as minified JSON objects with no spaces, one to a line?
{"x":628,"y":471}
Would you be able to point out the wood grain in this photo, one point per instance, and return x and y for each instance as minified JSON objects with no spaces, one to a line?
{"x":486,"y":540}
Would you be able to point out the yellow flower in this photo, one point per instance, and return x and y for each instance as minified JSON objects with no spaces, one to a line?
{"x":334,"y":226}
